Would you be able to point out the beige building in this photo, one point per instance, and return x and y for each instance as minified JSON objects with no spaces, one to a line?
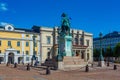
{"x":82,"y":43}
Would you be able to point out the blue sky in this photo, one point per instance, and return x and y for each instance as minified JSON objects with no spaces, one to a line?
{"x":92,"y":16}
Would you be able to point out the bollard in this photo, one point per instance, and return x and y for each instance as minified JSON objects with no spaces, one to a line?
{"x":7,"y":64}
{"x":55,"y":67}
{"x":47,"y":70}
{"x":28,"y":67}
{"x":15,"y":65}
{"x":92,"y":65}
{"x":115,"y":67}
{"x":107,"y":63}
{"x":86,"y":68}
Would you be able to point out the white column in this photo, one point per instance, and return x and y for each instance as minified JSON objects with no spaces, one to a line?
{"x":38,"y":51}
{"x":24,"y":58}
{"x":31,"y":48}
{"x":31,"y":45}
{"x":15,"y":59}
{"x":6,"y":57}
{"x":85,"y":55}
{"x":23,"y":47}
{"x":23,"y":43}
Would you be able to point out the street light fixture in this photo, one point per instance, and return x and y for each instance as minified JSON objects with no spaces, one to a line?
{"x":59,"y":57}
{"x":101,"y":59}
{"x":23,"y":58}
{"x":34,"y":55}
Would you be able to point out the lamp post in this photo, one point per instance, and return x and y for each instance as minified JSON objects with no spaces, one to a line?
{"x":23,"y":58}
{"x":5,"y":58}
{"x":34,"y":55}
{"x":101,"y":59}
{"x":59,"y":55}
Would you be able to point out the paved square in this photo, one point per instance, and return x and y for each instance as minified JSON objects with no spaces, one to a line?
{"x":96,"y":73}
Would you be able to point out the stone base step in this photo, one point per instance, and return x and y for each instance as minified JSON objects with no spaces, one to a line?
{"x":73,"y":67}
{"x":73,"y":60}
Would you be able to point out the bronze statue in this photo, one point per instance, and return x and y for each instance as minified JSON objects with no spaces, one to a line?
{"x":65,"y":26}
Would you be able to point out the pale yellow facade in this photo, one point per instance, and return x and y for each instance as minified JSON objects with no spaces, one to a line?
{"x":19,"y":42}
{"x":86,"y":48}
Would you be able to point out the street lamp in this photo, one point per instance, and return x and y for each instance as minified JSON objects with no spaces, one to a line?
{"x":101,"y":59}
{"x":59,"y":57}
{"x":23,"y":58}
{"x":5,"y":58}
{"x":34,"y":55}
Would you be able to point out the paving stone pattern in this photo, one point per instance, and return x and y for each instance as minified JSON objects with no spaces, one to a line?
{"x":95,"y":73}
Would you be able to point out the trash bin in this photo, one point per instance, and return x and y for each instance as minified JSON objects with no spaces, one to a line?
{"x":107,"y":63}
{"x":47,"y":70}
{"x":86,"y":68}
{"x":28,"y":67}
{"x":15,"y":65}
{"x":115,"y":66}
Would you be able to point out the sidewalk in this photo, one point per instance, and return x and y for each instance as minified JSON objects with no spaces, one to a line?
{"x":19,"y":73}
{"x":95,"y":73}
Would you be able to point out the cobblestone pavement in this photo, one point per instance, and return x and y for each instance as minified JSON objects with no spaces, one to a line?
{"x":95,"y":73}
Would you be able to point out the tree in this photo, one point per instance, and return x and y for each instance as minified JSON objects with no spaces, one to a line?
{"x":109,"y":52}
{"x":117,"y":50}
{"x":96,"y":53}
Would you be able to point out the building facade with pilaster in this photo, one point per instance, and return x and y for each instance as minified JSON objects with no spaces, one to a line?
{"x":82,"y":43}
{"x":16,"y":44}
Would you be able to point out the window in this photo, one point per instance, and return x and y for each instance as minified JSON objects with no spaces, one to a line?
{"x":0,"y":43}
{"x":76,"y":41}
{"x":35,"y":52}
{"x":9,"y":28}
{"x":27,"y":52}
{"x":35,"y":44}
{"x":81,"y":41}
{"x":48,"y":49}
{"x":27,"y":35}
{"x":18,"y":43}
{"x":18,"y":52}
{"x":87,"y":42}
{"x":27,"y":44}
{"x":27,"y":58}
{"x":9,"y":43}
{"x":48,"y":39}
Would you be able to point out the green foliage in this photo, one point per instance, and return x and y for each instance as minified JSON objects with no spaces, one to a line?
{"x":109,"y":52}
{"x":96,"y":53}
{"x":117,"y":50}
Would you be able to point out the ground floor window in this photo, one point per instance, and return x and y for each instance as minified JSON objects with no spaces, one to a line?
{"x":27,"y":58}
{"x":87,"y":56}
{"x":1,"y":59}
{"x":20,"y":59}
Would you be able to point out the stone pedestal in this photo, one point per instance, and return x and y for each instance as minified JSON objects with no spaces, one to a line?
{"x":60,"y":65}
{"x":68,"y":45}
{"x":33,"y":62}
{"x":65,"y":45}
{"x":101,"y":64}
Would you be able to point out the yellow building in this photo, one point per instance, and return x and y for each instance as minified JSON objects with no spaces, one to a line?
{"x":16,"y":44}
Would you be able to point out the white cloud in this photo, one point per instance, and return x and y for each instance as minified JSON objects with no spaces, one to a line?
{"x":3,"y":7}
{"x":3,"y":23}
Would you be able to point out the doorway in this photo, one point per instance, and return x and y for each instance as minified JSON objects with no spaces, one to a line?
{"x":11,"y":58}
